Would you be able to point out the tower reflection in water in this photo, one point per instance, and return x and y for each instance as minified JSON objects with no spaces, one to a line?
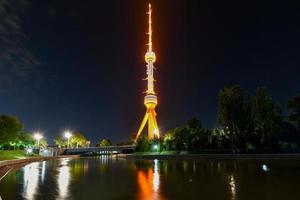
{"x":149,"y":183}
{"x":63,"y":179}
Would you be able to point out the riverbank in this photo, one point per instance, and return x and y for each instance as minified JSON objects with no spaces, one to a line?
{"x":212,"y":156}
{"x":7,"y":165}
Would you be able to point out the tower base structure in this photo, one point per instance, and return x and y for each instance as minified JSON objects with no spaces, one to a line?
{"x":150,"y":117}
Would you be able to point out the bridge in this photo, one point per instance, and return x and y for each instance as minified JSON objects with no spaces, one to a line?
{"x":104,"y":150}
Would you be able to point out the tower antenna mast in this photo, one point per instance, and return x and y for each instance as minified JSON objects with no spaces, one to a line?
{"x":150,"y":27}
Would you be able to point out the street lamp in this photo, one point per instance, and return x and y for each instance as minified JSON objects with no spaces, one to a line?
{"x":68,"y":135}
{"x":38,"y":137}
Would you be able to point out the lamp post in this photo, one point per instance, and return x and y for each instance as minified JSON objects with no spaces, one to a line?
{"x":68,"y":135}
{"x":38,"y":137}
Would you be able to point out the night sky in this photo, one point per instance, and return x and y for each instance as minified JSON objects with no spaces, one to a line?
{"x":79,"y":65}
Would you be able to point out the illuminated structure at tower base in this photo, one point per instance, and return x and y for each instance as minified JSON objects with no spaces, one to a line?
{"x":150,"y":117}
{"x":150,"y":100}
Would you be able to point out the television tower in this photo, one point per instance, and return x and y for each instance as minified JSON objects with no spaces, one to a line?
{"x":150,"y":99}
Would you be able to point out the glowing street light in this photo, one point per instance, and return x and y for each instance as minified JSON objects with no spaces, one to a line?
{"x":38,"y":137}
{"x":68,"y":135}
{"x":155,"y":147}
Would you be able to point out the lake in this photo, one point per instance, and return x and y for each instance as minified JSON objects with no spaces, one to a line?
{"x":112,"y":178}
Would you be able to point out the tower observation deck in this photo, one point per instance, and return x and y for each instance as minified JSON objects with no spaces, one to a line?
{"x":150,"y":100}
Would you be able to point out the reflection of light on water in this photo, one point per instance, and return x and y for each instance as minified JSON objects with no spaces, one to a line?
{"x":155,"y":176}
{"x":63,"y":179}
{"x":145,"y":188}
{"x":265,"y":168}
{"x":219,"y":167}
{"x":232,"y":185}
{"x":149,"y":183}
{"x":85,"y":166}
{"x":43,"y":171}
{"x":31,"y":179}
{"x":104,"y":163}
{"x":104,"y":159}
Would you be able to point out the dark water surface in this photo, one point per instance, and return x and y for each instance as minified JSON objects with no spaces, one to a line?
{"x":115,"y":179}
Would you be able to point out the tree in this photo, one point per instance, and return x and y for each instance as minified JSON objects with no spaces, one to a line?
{"x":294,"y":107}
{"x":233,"y":113}
{"x":10,"y":129}
{"x":181,"y":138}
{"x":78,"y":140}
{"x":197,"y":138}
{"x":169,"y":140}
{"x":104,"y":142}
{"x":266,"y":116}
{"x":43,"y":143}
{"x":59,"y":141}
{"x":194,"y":134}
{"x":191,"y":136}
{"x":142,"y":144}
{"x":220,"y":139}
{"x":25,"y":140}
{"x":288,"y":136}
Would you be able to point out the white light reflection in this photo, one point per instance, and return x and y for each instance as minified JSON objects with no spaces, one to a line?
{"x":31,"y":180}
{"x":63,"y":179}
{"x":104,"y":159}
{"x":265,"y":168}
{"x":43,"y":171}
{"x":156,"y":176}
{"x":149,"y":183}
{"x":232,"y":185}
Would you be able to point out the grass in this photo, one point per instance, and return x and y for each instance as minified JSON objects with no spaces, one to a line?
{"x":156,"y":153}
{"x":12,"y":154}
{"x":169,"y":153}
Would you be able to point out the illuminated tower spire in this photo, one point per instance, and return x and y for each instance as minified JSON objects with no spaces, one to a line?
{"x":150,"y":55}
{"x":150,"y":100}
{"x":150,"y":27}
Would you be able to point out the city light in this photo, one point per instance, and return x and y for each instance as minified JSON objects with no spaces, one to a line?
{"x":68,"y":135}
{"x":265,"y":168}
{"x":38,"y":137}
{"x":155,"y":147}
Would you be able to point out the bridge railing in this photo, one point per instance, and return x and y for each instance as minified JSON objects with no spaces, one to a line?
{"x":101,"y":150}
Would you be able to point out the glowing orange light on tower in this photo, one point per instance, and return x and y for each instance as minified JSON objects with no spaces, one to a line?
{"x":150,"y":27}
{"x":150,"y":100}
